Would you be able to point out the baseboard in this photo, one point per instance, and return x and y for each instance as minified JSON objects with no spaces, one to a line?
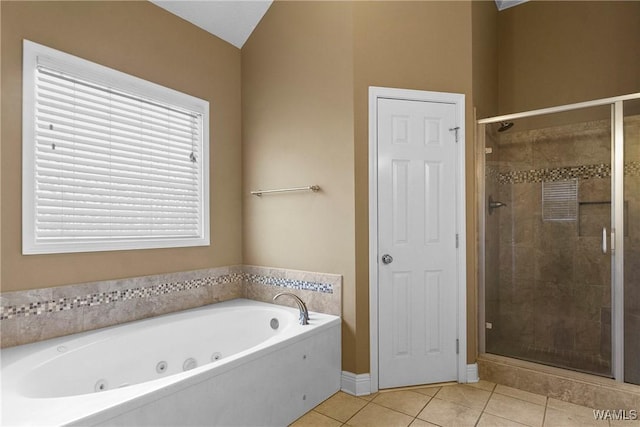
{"x":472,"y":373}
{"x":360,"y":384}
{"x":355,"y":384}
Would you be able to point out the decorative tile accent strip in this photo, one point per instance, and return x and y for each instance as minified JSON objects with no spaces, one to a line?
{"x":289,"y":283}
{"x":90,"y":300}
{"x":632,"y":169}
{"x":492,"y":174}
{"x":63,"y":304}
{"x":566,"y":173}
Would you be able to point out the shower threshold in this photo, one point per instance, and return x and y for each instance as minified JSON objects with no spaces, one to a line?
{"x":578,"y":361}
{"x":570,"y":386}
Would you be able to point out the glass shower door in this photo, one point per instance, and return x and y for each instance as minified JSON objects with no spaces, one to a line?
{"x":632,"y":242}
{"x":547,"y":239}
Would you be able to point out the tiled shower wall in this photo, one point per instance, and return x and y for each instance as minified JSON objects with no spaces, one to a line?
{"x":40,"y":314}
{"x":548,"y":297}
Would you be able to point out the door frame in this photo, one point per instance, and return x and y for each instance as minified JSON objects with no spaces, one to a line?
{"x":458,"y":100}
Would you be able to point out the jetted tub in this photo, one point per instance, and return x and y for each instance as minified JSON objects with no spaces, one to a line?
{"x":239,"y":362}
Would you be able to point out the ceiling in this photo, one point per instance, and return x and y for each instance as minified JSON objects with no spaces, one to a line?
{"x":235,"y":20}
{"x":505,"y":4}
{"x":231,"y":20}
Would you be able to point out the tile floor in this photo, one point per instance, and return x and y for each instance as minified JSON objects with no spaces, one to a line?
{"x":482,"y":404}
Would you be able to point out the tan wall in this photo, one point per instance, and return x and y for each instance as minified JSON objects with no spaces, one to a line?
{"x":140,"y":39}
{"x":485,"y":101}
{"x":556,"y":53}
{"x":484,"y":42}
{"x":413,"y":45}
{"x":297,"y":110}
{"x":305,"y":75}
{"x":306,"y":72}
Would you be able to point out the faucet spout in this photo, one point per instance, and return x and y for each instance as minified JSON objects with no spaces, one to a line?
{"x":304,"y":313}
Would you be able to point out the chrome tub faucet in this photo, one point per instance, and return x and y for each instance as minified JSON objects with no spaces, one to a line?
{"x":304,"y":313}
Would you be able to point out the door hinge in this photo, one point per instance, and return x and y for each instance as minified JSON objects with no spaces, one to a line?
{"x":457,"y":346}
{"x":457,"y":241}
{"x":455,"y":129}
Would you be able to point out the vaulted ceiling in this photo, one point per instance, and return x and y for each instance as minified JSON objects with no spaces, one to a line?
{"x":235,"y":20}
{"x":231,"y":20}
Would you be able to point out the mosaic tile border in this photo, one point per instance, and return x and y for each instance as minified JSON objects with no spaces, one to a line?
{"x":289,"y":283}
{"x":95,"y":299}
{"x":491,"y":174}
{"x":565,"y":173}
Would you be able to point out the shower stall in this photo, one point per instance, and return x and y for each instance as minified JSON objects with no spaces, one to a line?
{"x":560,"y":236}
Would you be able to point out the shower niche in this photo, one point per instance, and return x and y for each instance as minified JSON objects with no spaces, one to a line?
{"x":551,"y":257}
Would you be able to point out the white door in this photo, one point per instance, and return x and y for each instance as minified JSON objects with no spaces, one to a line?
{"x":417,"y":281}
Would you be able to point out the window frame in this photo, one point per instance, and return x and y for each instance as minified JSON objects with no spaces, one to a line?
{"x":35,"y":54}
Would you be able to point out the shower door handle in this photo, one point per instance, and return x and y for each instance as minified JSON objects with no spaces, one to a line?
{"x":604,"y":240}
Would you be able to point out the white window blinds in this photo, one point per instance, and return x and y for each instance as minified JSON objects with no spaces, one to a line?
{"x":113,"y":168}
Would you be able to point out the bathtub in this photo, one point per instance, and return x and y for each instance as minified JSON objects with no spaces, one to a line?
{"x":239,"y":362}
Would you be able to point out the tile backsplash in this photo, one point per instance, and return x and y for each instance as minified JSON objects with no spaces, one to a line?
{"x":35,"y":315}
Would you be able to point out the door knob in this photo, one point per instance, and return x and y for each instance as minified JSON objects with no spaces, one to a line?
{"x":387,"y":259}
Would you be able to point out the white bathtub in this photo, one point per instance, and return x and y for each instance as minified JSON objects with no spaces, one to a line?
{"x":246,"y":373}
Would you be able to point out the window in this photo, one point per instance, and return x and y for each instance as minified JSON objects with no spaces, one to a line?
{"x":110,"y":161}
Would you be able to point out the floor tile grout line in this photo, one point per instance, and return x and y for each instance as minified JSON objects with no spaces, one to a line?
{"x":523,"y":400}
{"x":422,"y":409}
{"x":358,"y":411}
{"x":502,"y":418}
{"x":335,"y":419}
{"x":328,"y":416}
{"x":546,"y":406}
{"x":495,"y":392}
{"x":485,"y":406}
{"x":546,"y":399}
{"x":459,"y":403}
{"x":393,"y":410}
{"x":415,"y":417}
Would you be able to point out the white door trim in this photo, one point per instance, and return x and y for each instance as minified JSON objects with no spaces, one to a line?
{"x":416,"y":95}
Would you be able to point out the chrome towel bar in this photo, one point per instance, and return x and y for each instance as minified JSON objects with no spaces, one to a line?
{"x":314,"y":188}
